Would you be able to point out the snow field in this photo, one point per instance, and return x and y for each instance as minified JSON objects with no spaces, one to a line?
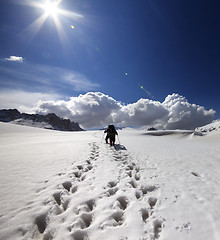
{"x":59,"y":185}
{"x":187,"y":169}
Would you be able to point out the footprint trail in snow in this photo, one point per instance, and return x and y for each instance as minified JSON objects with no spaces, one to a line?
{"x":104,"y":196}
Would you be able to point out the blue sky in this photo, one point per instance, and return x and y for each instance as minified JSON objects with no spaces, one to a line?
{"x":165,"y":46}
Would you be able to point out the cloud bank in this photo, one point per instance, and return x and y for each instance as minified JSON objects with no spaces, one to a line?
{"x":95,"y":109}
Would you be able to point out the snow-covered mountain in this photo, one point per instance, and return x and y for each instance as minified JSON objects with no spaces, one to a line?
{"x":200,"y":131}
{"x":72,"y":186}
{"x":212,"y":127}
{"x":49,"y":121}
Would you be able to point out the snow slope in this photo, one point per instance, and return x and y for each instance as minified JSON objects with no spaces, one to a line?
{"x":212,"y":127}
{"x":69,"y":185}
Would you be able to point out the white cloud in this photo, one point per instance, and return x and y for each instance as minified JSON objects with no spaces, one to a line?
{"x":79,"y":81}
{"x":15,"y":59}
{"x":184,"y":115}
{"x":92,"y":109}
{"x":142,"y":113}
{"x":95,"y":109}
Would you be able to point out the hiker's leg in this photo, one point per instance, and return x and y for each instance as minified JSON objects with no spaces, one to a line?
{"x":113,"y":140}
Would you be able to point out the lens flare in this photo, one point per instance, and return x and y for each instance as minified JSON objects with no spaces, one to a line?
{"x":147,"y":92}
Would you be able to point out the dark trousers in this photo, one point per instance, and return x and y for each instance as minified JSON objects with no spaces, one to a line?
{"x":112,"y":140}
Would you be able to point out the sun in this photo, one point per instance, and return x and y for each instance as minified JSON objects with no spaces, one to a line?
{"x":51,"y":8}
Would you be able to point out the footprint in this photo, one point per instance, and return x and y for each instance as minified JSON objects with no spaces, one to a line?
{"x":65,"y":205}
{"x":83,"y":178}
{"x":90,"y":204}
{"x":80,"y":167}
{"x":118,"y":217}
{"x":129,"y":173}
{"x":114,"y":220}
{"x":195,"y":174}
{"x":67,"y":185}
{"x":137,"y":169}
{"x":152,"y":201}
{"x":144,"y":214}
{"x":41,"y":223}
{"x":86,"y":207}
{"x":137,"y":176}
{"x":130,"y":167}
{"x":80,"y":235}
{"x":89,"y":167}
{"x":57,"y":197}
{"x":74,"y":189}
{"x":133,"y":183}
{"x":112,"y":184}
{"x":146,"y":189}
{"x":157,"y":228}
{"x":137,"y":195}
{"x":77,"y":174}
{"x":111,"y":191}
{"x":123,"y":202}
{"x":86,"y":219}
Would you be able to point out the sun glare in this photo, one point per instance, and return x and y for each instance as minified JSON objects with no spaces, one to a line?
{"x":51,"y":8}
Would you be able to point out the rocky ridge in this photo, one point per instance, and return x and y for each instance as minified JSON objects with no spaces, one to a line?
{"x":49,"y":121}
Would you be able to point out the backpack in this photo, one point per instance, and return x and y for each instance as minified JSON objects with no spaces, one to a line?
{"x":111,"y":131}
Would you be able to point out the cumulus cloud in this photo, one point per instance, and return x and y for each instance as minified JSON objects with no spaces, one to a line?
{"x":184,"y":115}
{"x":144,"y":112}
{"x":14,"y":59}
{"x":95,"y":109}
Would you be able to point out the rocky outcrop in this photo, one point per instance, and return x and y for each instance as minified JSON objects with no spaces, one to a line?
{"x":49,"y":121}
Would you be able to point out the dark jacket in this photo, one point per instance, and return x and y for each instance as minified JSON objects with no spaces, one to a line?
{"x":111,"y":132}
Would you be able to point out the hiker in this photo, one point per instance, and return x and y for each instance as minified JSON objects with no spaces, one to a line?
{"x":111,"y":132}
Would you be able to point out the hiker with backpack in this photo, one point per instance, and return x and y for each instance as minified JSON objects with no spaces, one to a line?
{"x":111,"y":132}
